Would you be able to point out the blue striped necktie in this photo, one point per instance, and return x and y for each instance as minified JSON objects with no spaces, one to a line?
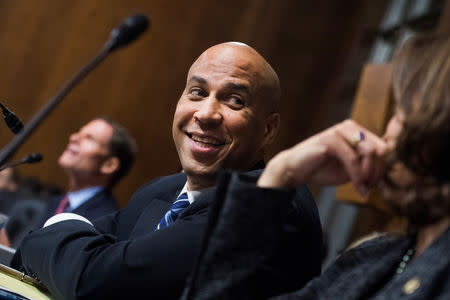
{"x":174,"y":212}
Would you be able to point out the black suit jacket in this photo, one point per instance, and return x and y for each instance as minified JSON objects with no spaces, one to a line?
{"x":259,"y":243}
{"x":26,"y":216}
{"x":101,"y":204}
{"x":122,"y":256}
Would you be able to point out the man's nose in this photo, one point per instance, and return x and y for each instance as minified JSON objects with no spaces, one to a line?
{"x":209,"y":112}
{"x":74,"y":137}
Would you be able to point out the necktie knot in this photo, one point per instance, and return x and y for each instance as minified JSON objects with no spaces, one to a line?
{"x":175,"y":211}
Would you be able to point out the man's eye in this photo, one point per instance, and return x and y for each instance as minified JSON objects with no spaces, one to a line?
{"x":197,"y":92}
{"x":236,"y":102}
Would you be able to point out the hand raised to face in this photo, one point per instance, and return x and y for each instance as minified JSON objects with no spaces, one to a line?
{"x":344,"y":152}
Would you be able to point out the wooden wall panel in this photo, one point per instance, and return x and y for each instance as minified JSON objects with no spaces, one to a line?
{"x":444,"y":20}
{"x":312,"y":45}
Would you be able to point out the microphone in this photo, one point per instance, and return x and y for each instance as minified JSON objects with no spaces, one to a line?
{"x":11,"y":120}
{"x":31,"y":158}
{"x":127,"y":32}
{"x":119,"y":37}
{"x":28,"y":159}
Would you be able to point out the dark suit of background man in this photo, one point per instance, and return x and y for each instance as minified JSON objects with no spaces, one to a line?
{"x":97,"y":156}
{"x":225,"y":118}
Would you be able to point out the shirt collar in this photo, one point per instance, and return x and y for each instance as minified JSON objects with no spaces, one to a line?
{"x":192,"y":195}
{"x":79,"y":197}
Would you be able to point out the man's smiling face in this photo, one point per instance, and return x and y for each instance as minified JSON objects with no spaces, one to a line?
{"x":221,"y":119}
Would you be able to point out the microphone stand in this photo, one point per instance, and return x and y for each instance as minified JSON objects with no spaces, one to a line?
{"x":11,"y":165}
{"x":29,"y":128}
{"x":119,"y":37}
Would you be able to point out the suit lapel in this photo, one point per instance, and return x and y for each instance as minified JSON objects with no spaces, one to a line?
{"x":154,"y":212}
{"x":202,"y":202}
{"x":52,"y":205}
{"x":50,"y":209}
{"x":156,"y":208}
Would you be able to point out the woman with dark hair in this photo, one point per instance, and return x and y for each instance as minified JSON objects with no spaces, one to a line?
{"x":411,"y":164}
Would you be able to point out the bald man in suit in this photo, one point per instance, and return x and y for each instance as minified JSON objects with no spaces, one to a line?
{"x":226,"y":118}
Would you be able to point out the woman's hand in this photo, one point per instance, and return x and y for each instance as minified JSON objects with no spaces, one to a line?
{"x":331,"y":157}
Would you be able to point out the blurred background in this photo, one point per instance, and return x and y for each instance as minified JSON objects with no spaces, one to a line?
{"x":318,"y":49}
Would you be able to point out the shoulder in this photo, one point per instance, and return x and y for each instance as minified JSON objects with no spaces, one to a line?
{"x":164,"y":182}
{"x":52,"y":203}
{"x":55,"y":198}
{"x":374,"y":245}
{"x":100,"y":204}
{"x":254,"y":173}
{"x":107,"y":195}
{"x":162,"y":187}
{"x":104,"y":195}
{"x":374,"y":237}
{"x":377,"y":240}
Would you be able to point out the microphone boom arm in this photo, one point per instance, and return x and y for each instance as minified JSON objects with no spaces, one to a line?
{"x":29,"y":128}
{"x":126,"y":33}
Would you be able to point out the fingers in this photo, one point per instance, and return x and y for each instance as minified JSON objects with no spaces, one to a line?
{"x":350,"y":159}
{"x":375,"y":142}
{"x":361,"y":154}
{"x":372,"y":164}
{"x":342,"y":152}
{"x":372,"y":151}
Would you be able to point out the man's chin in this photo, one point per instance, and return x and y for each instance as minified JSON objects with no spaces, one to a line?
{"x":201,"y":171}
{"x":64,"y":164}
{"x":65,"y":159}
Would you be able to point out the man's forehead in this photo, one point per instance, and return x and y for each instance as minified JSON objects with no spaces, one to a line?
{"x":226,"y":56}
{"x":230,"y":66}
{"x":99,"y":129}
{"x":238,"y":63}
{"x":95,"y":124}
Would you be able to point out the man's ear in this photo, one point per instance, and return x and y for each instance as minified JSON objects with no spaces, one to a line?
{"x":272,"y":125}
{"x":110,"y":166}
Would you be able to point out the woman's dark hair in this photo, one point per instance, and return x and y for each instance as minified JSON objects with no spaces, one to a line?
{"x":421,"y":84}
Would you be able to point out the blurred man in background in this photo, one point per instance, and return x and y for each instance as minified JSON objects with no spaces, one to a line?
{"x":96,"y":158}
